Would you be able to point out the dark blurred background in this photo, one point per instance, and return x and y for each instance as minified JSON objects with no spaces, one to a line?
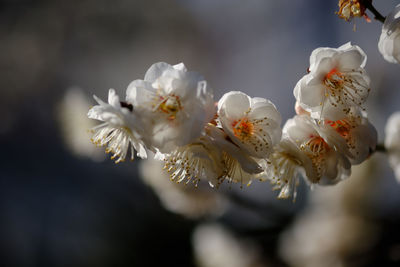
{"x":62,"y":203}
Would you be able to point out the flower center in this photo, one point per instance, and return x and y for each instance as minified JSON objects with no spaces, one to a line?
{"x":316,"y":145}
{"x":342,"y":127}
{"x":334,"y":79}
{"x":345,"y":88}
{"x":350,"y":8}
{"x":170,"y":105}
{"x":243,"y":128}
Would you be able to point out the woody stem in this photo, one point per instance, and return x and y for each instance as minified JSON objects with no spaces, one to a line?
{"x":368,"y":5}
{"x":380,"y":148}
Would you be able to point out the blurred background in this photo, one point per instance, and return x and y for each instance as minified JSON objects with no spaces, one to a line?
{"x":64,"y":203}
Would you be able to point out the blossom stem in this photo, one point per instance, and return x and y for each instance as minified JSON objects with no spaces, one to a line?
{"x":378,"y":16}
{"x":380,"y":148}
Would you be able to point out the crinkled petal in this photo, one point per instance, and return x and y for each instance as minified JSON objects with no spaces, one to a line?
{"x":309,"y":95}
{"x":353,"y":58}
{"x":139,"y":92}
{"x":234,"y":104}
{"x":155,"y":71}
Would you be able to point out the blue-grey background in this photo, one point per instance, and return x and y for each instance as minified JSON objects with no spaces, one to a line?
{"x":57,"y":209}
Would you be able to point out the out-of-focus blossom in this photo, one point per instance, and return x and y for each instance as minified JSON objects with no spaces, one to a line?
{"x":392,"y":142}
{"x":74,"y":124}
{"x":334,"y":228}
{"x":325,"y":148}
{"x":336,"y":82}
{"x":389,"y":42}
{"x":215,"y":246}
{"x":252,"y":123}
{"x":178,"y":198}
{"x":349,"y":9}
{"x":120,"y":129}
{"x":321,"y":239}
{"x":360,"y":135}
{"x":175,"y":104}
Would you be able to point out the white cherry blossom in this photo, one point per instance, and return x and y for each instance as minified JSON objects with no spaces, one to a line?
{"x":389,"y":41}
{"x":336,"y":82}
{"x":239,"y":167}
{"x":252,"y":123}
{"x":392,"y":142}
{"x":326,"y":149}
{"x":120,"y":129}
{"x":196,"y":161}
{"x":284,"y":168}
{"x":360,"y":136}
{"x":175,"y":103}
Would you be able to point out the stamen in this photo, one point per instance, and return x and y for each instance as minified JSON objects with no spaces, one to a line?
{"x":344,"y":127}
{"x":118,"y":141}
{"x":343,"y":88}
{"x":284,"y":168}
{"x":170,"y":105}
{"x":252,"y":132}
{"x":316,"y":148}
{"x":243,"y":128}
{"x":183,"y":166}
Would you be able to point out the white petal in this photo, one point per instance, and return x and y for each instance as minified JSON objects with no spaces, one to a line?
{"x":352,"y":58}
{"x":139,"y":92}
{"x":262,"y":107}
{"x":180,"y":67}
{"x":234,"y":104}
{"x":155,"y":71}
{"x":318,"y":54}
{"x":298,"y":129}
{"x":311,"y":94}
{"x":113,"y":98}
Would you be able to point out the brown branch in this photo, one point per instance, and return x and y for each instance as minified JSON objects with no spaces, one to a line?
{"x":368,"y":4}
{"x":380,"y":148}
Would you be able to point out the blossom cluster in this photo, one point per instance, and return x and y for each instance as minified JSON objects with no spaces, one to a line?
{"x":389,"y":47}
{"x":172,"y":114}
{"x":331,"y":131}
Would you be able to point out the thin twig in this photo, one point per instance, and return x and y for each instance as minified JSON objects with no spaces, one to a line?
{"x":378,"y":16}
{"x":380,"y":148}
